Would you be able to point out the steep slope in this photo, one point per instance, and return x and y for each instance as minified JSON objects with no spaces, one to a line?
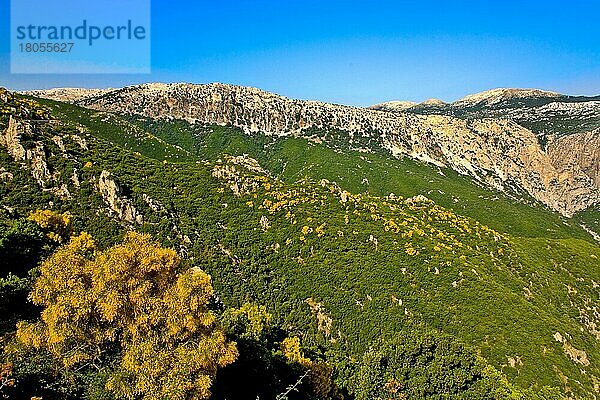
{"x":499,"y":153}
{"x":295,"y":158}
{"x":339,"y":268}
{"x":580,"y":151}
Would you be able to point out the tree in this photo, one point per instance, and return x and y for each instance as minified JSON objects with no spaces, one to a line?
{"x":6,"y":379}
{"x":22,"y":247}
{"x":258,"y":372}
{"x":270,"y":365}
{"x":320,"y":374}
{"x":133,"y":313}
{"x":421,"y":363}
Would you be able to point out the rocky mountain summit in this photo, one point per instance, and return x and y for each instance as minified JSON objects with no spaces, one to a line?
{"x":502,"y":95}
{"x":67,"y":94}
{"x":547,"y":114}
{"x":500,"y":152}
{"x":393,"y":105}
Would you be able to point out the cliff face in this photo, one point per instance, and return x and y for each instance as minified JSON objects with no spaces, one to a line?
{"x":118,"y":204}
{"x":579,"y":153}
{"x":19,"y":138}
{"x":497,"y":152}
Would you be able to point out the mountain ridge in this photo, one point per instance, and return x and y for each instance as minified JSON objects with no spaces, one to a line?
{"x":547,"y":114}
{"x":72,"y":93}
{"x":492,"y":96}
{"x":497,"y":152}
{"x":500,"y":94}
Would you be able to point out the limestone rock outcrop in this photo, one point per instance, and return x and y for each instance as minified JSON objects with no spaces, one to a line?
{"x":112,"y":194}
{"x":34,"y":157}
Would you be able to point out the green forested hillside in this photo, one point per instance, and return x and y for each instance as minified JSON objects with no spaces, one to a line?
{"x":291,"y":159}
{"x":458,"y":293}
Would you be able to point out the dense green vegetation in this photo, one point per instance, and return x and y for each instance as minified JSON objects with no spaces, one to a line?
{"x":292,"y":159}
{"x":473,"y":289}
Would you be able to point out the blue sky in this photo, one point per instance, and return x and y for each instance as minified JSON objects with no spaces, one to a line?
{"x":360,"y":52}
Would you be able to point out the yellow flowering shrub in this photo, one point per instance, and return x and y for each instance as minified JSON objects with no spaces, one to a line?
{"x":56,"y":226}
{"x":133,"y":297}
{"x":320,"y":230}
{"x":250,"y":321}
{"x":290,"y":347}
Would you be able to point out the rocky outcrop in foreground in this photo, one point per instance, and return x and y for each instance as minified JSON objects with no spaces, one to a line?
{"x":28,"y":138}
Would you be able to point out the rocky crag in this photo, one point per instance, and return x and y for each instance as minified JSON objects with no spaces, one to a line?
{"x":28,"y":141}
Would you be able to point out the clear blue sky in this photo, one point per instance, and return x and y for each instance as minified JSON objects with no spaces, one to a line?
{"x":361,"y":52}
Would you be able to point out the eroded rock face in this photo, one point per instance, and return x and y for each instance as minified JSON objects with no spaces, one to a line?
{"x":39,"y":167}
{"x":497,"y":152}
{"x":11,"y":139}
{"x":112,"y":194}
{"x":576,"y":355}
{"x":580,"y":151}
